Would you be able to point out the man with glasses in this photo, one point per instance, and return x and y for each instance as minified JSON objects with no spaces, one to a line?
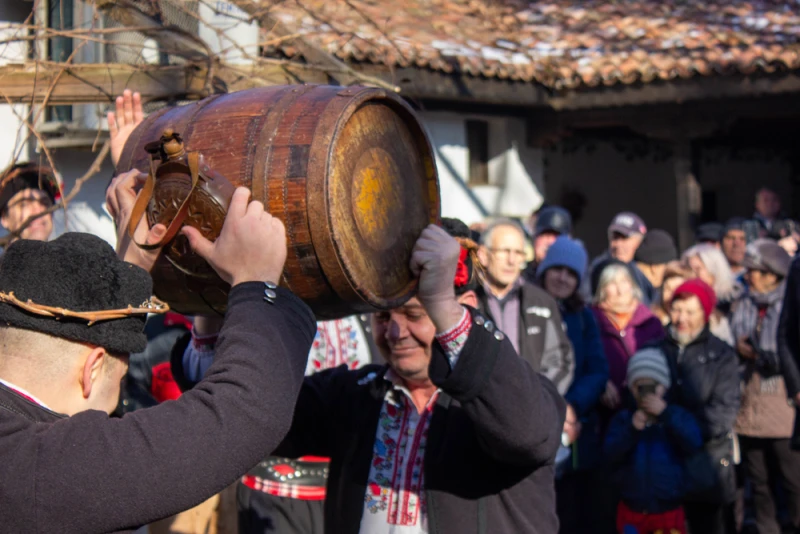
{"x":28,"y":190}
{"x":526,"y":313}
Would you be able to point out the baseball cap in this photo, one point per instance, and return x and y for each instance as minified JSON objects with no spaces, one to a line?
{"x":553,"y":219}
{"x":627,"y":223}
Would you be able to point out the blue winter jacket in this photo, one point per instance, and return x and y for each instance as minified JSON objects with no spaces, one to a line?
{"x":589,"y":383}
{"x":648,"y":465}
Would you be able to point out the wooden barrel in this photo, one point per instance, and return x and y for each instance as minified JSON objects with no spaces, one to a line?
{"x":349,"y":171}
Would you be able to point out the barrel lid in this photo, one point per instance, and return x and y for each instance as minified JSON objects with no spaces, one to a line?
{"x":382,"y":192}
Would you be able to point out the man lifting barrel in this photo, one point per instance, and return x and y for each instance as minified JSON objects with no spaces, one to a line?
{"x":455,"y":434}
{"x":65,"y":466}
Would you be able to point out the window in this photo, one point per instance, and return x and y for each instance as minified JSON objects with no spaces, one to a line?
{"x":478,"y":147}
{"x":60,"y":16}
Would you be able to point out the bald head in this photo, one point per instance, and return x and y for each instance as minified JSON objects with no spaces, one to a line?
{"x":504,"y":225}
{"x":502,"y":255}
{"x":68,"y":376}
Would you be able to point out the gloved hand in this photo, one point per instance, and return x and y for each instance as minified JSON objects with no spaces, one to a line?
{"x":434,"y":260}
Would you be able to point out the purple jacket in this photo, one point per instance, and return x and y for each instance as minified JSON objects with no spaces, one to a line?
{"x":643,"y":329}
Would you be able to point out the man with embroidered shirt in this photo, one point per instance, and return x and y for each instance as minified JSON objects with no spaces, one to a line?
{"x":525,"y":312}
{"x":65,"y":466}
{"x":454,"y":434}
{"x":267,"y":498}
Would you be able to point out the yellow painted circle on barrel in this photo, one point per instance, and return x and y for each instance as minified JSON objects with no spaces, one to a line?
{"x":376,"y":199}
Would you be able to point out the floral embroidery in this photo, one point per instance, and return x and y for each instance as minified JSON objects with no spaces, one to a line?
{"x":453,"y":340}
{"x":338,"y":342}
{"x":396,"y":482}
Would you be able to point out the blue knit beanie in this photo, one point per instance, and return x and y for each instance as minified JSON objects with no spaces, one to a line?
{"x":565,"y":252}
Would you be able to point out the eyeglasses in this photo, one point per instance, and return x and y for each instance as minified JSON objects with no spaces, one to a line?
{"x":507,"y":252}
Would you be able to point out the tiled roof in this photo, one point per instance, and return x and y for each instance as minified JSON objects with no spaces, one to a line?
{"x":562,"y":44}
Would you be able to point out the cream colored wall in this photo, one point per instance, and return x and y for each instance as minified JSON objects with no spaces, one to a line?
{"x":515,"y":170}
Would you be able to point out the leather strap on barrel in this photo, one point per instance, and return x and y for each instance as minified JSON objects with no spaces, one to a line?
{"x":143,"y":199}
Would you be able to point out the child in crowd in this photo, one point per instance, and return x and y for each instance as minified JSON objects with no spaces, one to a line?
{"x":648,"y":446}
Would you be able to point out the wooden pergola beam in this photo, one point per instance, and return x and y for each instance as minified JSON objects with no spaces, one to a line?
{"x":88,"y":83}
{"x":80,"y":84}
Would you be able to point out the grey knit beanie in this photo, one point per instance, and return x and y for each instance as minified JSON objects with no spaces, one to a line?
{"x":649,"y":363}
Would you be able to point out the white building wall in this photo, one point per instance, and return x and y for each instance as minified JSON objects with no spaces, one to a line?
{"x":86,"y":213}
{"x":12,"y":134}
{"x":515,"y":171}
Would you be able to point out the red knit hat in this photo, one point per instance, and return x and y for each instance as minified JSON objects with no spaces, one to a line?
{"x":701,"y":290}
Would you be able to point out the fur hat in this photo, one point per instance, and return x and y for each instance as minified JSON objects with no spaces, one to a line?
{"x":78,"y":272}
{"x":28,"y":176}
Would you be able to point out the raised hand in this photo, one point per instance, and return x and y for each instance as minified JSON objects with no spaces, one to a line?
{"x":251,"y":246}
{"x":434,"y":260}
{"x":120,"y":198}
{"x":122,"y":123}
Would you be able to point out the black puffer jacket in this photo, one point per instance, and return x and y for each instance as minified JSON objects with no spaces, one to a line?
{"x":705,"y":378}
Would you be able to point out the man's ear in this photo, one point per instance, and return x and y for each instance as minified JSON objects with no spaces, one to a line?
{"x":469,"y":298}
{"x":96,"y":358}
{"x":4,"y":219}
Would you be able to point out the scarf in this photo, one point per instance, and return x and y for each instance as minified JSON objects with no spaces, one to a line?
{"x":748,"y":312}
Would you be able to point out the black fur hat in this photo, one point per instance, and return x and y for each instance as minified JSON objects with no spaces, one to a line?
{"x":457,"y":228}
{"x":28,"y":176}
{"x":78,"y":272}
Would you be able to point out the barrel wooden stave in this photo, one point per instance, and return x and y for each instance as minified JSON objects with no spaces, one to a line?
{"x":289,"y":145}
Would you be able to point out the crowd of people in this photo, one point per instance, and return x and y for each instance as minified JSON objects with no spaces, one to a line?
{"x":527,"y":388}
{"x":680,"y":405}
